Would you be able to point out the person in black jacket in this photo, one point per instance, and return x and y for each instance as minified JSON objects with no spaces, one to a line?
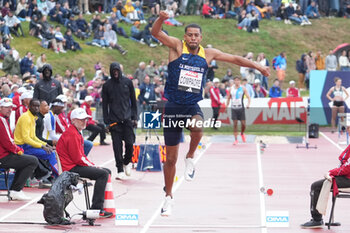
{"x":120,"y":115}
{"x":47,"y":88}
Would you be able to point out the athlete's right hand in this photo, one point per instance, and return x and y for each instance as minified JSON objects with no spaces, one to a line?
{"x":163,"y":15}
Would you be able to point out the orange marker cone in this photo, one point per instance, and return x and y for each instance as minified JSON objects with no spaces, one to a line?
{"x":109,"y":204}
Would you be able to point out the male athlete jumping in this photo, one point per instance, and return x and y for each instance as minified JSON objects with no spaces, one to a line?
{"x":188,"y":64}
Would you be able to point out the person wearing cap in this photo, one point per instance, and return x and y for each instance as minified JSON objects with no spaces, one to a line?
{"x":93,"y":126}
{"x":120,"y":115}
{"x":14,"y":89}
{"x":71,"y":153}
{"x":259,"y":90}
{"x":26,"y":139}
{"x":25,"y":99}
{"x":47,"y":88}
{"x":235,"y":96}
{"x":16,"y":98}
{"x":215,"y":99}
{"x":50,"y":119}
{"x":11,"y":155}
{"x":292,"y":91}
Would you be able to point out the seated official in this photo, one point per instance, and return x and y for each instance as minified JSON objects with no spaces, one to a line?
{"x":26,"y":139}
{"x":70,"y":148}
{"x":339,"y":176}
{"x":11,"y":155}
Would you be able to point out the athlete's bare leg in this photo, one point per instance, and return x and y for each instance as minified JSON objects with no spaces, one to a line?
{"x":243,"y":126}
{"x":196,"y":136}
{"x":235,"y":129}
{"x":170,"y":168}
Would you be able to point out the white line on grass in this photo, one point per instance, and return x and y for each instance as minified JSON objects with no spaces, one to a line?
{"x":331,"y":141}
{"x":176,"y":186}
{"x":261,"y":194}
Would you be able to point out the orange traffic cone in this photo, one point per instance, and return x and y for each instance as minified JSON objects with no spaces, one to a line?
{"x":109,"y":204}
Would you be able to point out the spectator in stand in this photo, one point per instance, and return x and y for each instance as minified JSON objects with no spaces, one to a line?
{"x":243,"y":21}
{"x":153,"y":5}
{"x":147,"y":94}
{"x":13,"y":23}
{"x":228,"y":75}
{"x":10,"y":64}
{"x":171,"y":21}
{"x":259,"y":91}
{"x":41,"y":61}
{"x":151,"y":70}
{"x":293,"y":16}
{"x":346,"y":8}
{"x":139,"y":11}
{"x":281,"y":66}
{"x":47,"y":88}
{"x":99,"y":39}
{"x":4,"y":29}
{"x":73,"y":26}
{"x":56,"y":14}
{"x":43,"y":7}
{"x":344,"y":62}
{"x":27,"y":64}
{"x":140,"y":35}
{"x":25,"y":99}
{"x":26,"y":139}
{"x":50,"y":120}
{"x":35,"y":27}
{"x":93,"y":126}
{"x":11,"y":155}
{"x":83,"y":26}
{"x":34,"y":10}
{"x":301,"y":68}
{"x":302,"y":17}
{"x":311,"y":65}
{"x":248,"y":87}
{"x":275,"y":90}
{"x":312,"y":11}
{"x":5,"y":9}
{"x":215,"y":99}
{"x":207,"y":11}
{"x":113,"y":20}
{"x":112,"y":40}
{"x":140,"y":72}
{"x":96,"y":21}
{"x":71,"y":44}
{"x":331,"y":61}
{"x":320,"y":61}
{"x":84,"y":9}
{"x":118,"y":9}
{"x":292,"y":91}
{"x":211,"y":67}
{"x":282,"y":14}
{"x":22,"y":10}
{"x":129,"y":11}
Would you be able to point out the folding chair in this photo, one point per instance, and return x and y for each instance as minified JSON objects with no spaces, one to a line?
{"x":6,"y":172}
{"x":343,"y":193}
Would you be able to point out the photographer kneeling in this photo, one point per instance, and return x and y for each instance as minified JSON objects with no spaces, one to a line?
{"x":70,"y":148}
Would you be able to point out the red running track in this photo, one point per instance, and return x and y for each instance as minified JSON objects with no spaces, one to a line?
{"x":224,"y":197}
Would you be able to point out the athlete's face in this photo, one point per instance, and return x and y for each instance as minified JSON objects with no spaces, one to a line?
{"x":193,"y":38}
{"x":237,"y":82}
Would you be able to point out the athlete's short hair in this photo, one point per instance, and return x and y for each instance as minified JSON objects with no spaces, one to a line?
{"x":237,"y":77}
{"x":336,"y":79}
{"x":193,"y":25}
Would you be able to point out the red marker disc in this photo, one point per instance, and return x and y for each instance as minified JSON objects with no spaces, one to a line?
{"x":269,"y":192}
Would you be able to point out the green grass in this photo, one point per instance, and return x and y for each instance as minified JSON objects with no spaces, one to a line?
{"x":274,"y":37}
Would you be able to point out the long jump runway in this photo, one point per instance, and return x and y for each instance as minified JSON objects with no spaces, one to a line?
{"x":225,"y":195}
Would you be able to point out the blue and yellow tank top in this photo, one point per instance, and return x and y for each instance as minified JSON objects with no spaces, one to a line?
{"x":187,"y":76}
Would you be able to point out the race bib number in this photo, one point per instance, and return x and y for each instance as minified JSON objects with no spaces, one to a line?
{"x":190,"y":81}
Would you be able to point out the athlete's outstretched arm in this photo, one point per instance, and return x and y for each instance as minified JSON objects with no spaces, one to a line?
{"x":238,"y":60}
{"x":157,"y":32}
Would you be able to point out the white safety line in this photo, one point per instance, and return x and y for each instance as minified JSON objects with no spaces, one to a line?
{"x":206,"y":226}
{"x":37,"y":199}
{"x":176,"y":186}
{"x":261,"y":194}
{"x":331,"y":141}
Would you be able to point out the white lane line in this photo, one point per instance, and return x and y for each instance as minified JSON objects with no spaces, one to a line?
{"x":206,"y":226}
{"x":331,"y":141}
{"x":261,"y":194}
{"x":20,"y":208}
{"x":176,"y":186}
{"x":37,"y":199}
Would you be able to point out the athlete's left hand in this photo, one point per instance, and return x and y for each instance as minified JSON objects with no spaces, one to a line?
{"x":265,"y":71}
{"x":327,"y":176}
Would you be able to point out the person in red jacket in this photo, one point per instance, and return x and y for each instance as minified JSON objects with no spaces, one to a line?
{"x":25,"y":99}
{"x":70,"y":149}
{"x":340,"y":178}
{"x":11,"y":155}
{"x":292,"y":91}
{"x":92,"y":125}
{"x":207,"y":11}
{"x":16,"y":99}
{"x":215,"y":99}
